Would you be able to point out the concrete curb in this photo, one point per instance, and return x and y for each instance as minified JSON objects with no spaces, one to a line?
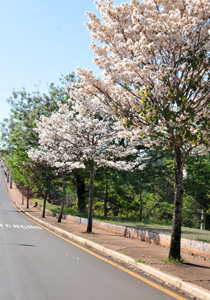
{"x":192,"y":247}
{"x":191,"y":289}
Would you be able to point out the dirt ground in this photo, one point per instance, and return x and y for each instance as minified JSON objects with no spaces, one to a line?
{"x":195,"y":270}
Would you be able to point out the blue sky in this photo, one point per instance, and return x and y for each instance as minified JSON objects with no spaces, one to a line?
{"x":40,"y":40}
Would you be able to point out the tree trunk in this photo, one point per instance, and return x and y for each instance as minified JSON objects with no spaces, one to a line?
{"x":44,"y":206}
{"x":28,"y":198}
{"x":81,"y":194}
{"x":105,"y":201}
{"x":90,"y":209}
{"x":23,"y":196}
{"x":140,"y":207}
{"x":8,"y":176}
{"x":10,"y":182}
{"x":64,"y":196}
{"x":175,"y":246}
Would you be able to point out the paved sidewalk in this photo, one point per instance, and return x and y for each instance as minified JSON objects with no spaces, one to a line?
{"x":195,"y":270}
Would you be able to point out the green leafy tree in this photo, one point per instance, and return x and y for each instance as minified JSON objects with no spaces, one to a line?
{"x":41,"y":178}
{"x":197,"y":181}
{"x":17,"y":131}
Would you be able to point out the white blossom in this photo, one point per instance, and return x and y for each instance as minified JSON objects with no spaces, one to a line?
{"x":147,"y":45}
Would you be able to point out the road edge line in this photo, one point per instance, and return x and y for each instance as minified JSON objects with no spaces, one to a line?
{"x":194,"y":291}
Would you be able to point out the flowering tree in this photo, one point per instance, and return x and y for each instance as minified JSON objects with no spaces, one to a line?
{"x":155,"y":60}
{"x":90,"y":136}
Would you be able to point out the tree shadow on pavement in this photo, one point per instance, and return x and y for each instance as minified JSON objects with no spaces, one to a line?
{"x":196,"y":266}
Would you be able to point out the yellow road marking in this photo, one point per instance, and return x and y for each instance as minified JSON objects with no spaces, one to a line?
{"x":162,"y":289}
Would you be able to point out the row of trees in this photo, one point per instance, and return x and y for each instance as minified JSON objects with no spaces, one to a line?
{"x":155,"y":61}
{"x":140,"y":194}
{"x":66,"y":140}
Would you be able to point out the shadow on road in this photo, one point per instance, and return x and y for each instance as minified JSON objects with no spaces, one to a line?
{"x":23,"y":245}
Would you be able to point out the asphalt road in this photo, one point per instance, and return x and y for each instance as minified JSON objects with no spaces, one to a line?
{"x":37,"y":265}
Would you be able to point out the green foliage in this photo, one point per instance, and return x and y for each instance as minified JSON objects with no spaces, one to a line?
{"x":66,"y":211}
{"x":56,"y":208}
{"x":145,"y":195}
{"x":155,"y":184}
{"x":203,"y":240}
{"x":190,"y":215}
{"x":157,"y":210}
{"x":17,"y":132}
{"x":143,"y":261}
{"x":197,"y":183}
{"x":112,"y":194}
{"x":172,"y":260}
